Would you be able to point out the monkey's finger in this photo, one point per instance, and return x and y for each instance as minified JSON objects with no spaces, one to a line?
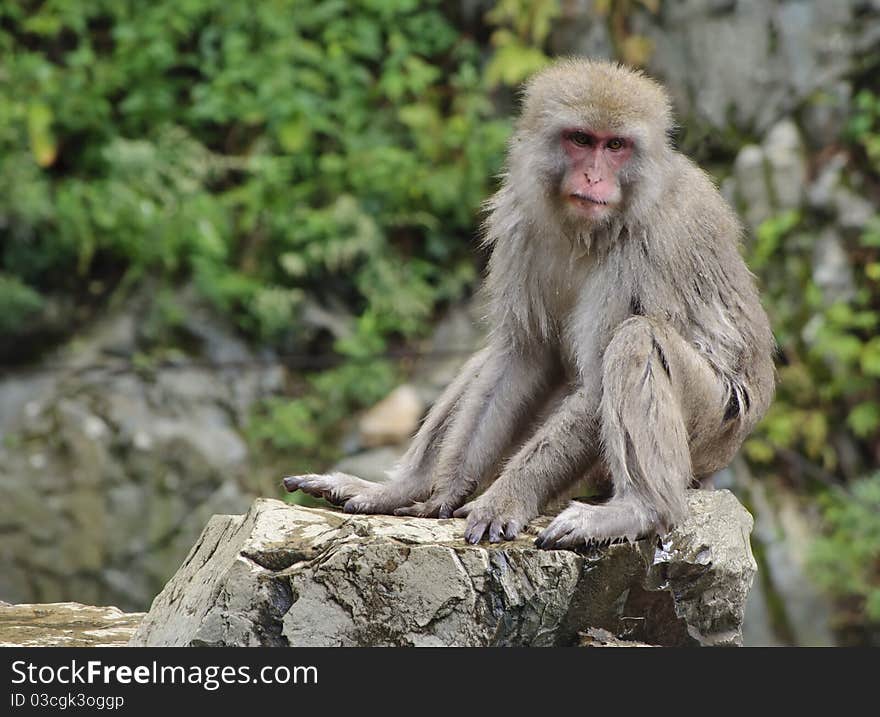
{"x":512,"y":530}
{"x":292,"y":483}
{"x":407,"y":511}
{"x":547,"y":537}
{"x":446,"y":511}
{"x":495,"y":532}
{"x":474,"y":533}
{"x":464,"y":511}
{"x":356,"y":504}
{"x":314,"y":485}
{"x":424,"y":509}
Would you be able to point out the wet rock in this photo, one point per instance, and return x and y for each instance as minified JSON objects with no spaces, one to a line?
{"x":288,"y":575}
{"x":66,"y":624}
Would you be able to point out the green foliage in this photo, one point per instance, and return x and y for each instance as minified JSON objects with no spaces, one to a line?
{"x":277,"y":156}
{"x":846,"y":560}
{"x":831,"y":352}
{"x":522,"y":26}
{"x":864,"y":124}
{"x":18,"y":303}
{"x":274,"y":153}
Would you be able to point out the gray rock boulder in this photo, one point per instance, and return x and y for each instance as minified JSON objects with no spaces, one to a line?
{"x":288,"y":575}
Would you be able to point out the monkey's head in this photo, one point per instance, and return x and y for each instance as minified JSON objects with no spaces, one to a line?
{"x":589,"y":132}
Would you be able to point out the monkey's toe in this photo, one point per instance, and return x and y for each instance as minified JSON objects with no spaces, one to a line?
{"x":292,"y":483}
{"x":315,"y":485}
{"x":464,"y":511}
{"x":360,"y":504}
{"x":474,"y":533}
{"x":425,"y":509}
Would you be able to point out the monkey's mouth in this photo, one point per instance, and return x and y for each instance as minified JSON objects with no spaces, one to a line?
{"x":585,"y":198}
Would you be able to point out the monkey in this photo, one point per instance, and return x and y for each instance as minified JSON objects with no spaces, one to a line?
{"x":621,"y":313}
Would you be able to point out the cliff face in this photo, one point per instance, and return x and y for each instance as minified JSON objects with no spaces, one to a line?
{"x":287,"y":575}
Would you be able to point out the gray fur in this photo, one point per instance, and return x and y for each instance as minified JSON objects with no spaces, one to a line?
{"x":645,"y":324}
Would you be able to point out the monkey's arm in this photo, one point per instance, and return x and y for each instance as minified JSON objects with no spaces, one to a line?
{"x":556,"y":456}
{"x":499,"y":402}
{"x":410,"y":480}
{"x":461,"y":441}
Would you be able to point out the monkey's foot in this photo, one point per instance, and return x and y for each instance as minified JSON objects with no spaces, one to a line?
{"x":354,"y":494}
{"x":582,"y":525}
{"x":495,"y":519}
{"x":433,"y":507}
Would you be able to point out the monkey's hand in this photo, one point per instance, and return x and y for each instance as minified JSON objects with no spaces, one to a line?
{"x":582,"y":525}
{"x":354,"y":494}
{"x":493,"y":513}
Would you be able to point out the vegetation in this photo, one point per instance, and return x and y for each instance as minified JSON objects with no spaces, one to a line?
{"x":280,"y":155}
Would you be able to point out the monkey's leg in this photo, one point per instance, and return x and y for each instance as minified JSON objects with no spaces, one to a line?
{"x":491,"y":414}
{"x":558,"y":454}
{"x":410,"y":479}
{"x":658,"y":392}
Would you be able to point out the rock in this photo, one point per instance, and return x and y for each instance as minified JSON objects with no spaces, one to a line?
{"x":853,"y":210}
{"x":394,"y":419}
{"x":797,"y":612}
{"x":831,"y":270}
{"x":581,"y":30}
{"x":750,"y":173}
{"x":597,"y":637}
{"x":746,"y":64}
{"x":65,"y":624}
{"x":106,"y":471}
{"x":821,"y":191}
{"x":288,"y":575}
{"x":826,"y":114}
{"x":786,"y":163}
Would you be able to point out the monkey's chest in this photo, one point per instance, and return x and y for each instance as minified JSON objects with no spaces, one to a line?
{"x":588,"y":324}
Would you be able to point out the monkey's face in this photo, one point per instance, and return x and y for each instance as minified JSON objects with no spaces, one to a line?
{"x":595,"y":162}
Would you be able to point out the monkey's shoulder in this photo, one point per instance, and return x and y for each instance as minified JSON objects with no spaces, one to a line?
{"x":693,"y":207}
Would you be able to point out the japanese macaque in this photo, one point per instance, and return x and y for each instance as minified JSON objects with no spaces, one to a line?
{"x":628,"y":346}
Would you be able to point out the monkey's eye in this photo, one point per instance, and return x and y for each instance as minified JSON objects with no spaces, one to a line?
{"x":581,"y":139}
{"x":615,"y":144}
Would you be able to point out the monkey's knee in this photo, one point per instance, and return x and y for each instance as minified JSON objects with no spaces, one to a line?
{"x":637,"y":349}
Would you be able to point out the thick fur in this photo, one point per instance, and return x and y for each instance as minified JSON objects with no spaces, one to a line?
{"x":645,"y":328}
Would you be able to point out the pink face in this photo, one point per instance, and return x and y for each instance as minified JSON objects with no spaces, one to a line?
{"x":592,"y":181}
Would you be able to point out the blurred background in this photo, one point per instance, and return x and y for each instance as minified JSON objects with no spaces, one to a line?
{"x":239,"y":240}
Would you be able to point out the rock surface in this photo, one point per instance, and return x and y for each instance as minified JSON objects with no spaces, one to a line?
{"x":107,"y":474}
{"x":288,"y":575}
{"x":65,"y":624}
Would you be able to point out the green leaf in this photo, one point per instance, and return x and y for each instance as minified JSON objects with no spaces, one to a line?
{"x":864,"y":419}
{"x":43,"y":143}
